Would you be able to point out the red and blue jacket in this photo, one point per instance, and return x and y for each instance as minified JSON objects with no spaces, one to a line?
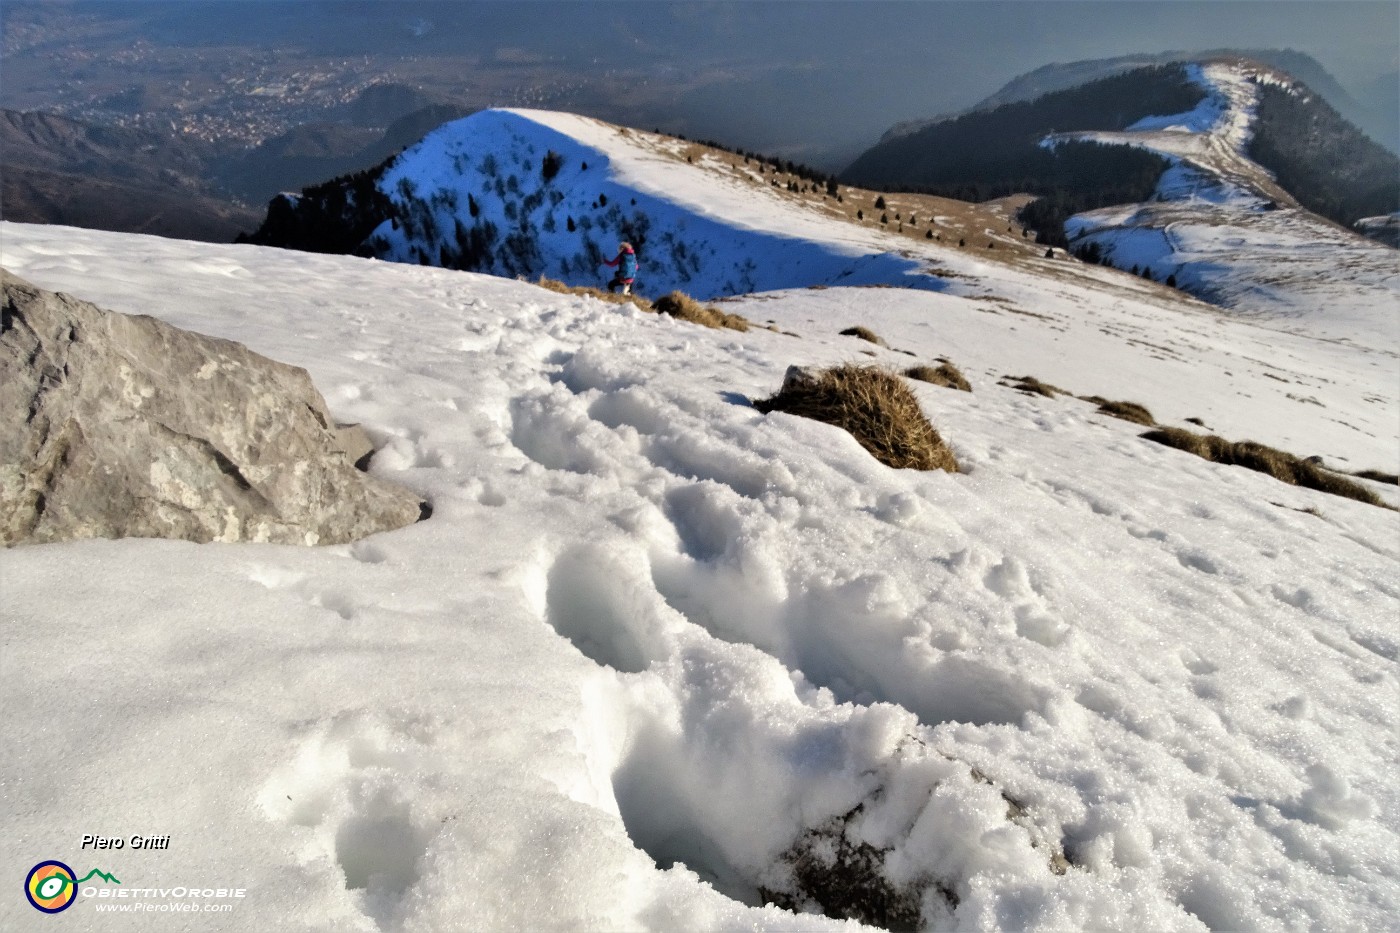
{"x":628,"y":259}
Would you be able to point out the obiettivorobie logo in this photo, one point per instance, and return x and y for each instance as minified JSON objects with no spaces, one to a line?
{"x":52,"y":886}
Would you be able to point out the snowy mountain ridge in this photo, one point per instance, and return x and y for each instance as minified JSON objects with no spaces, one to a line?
{"x":1060,"y":76}
{"x":1221,"y":225}
{"x":473,"y":195}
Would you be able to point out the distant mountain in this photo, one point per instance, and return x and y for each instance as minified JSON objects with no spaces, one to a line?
{"x":36,"y":196}
{"x":65,"y":172}
{"x":55,"y":143}
{"x":311,"y":153}
{"x":1377,"y":113}
{"x":382,"y":104}
{"x":994,"y":153}
{"x":526,"y":194}
{"x":1320,"y":158}
{"x":1300,"y":147}
{"x":1223,"y":227}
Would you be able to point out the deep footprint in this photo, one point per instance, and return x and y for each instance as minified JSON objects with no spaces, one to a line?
{"x":606,"y":607}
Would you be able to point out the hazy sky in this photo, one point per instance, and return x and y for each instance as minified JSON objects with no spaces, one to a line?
{"x":795,"y":75}
{"x":881,"y":61}
{"x":967,"y":45}
{"x":947,"y":50}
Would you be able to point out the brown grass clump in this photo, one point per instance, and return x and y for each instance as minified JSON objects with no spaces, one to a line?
{"x":590,"y":292}
{"x":946,"y":375}
{"x":1378,"y":476}
{"x":1128,"y":411}
{"x":1033,"y":386}
{"x":875,"y":406}
{"x":1277,"y":463}
{"x":864,"y":333}
{"x":681,"y":305}
{"x":676,"y":304}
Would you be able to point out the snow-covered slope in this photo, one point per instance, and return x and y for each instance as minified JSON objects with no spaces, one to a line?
{"x":1228,"y":233}
{"x":655,"y":653}
{"x":473,"y":193}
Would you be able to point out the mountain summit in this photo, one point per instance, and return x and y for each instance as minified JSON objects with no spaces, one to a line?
{"x":530,"y":193}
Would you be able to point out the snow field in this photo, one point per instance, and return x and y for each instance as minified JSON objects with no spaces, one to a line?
{"x":651,"y":639}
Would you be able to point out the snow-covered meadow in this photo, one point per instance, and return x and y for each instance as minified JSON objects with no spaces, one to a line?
{"x":650,"y":640}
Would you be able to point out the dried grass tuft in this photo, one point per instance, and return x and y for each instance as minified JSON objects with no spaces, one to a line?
{"x":682,"y":306}
{"x":590,"y":292}
{"x":864,"y":333}
{"x":946,"y":375}
{"x":1128,"y":411}
{"x":878,"y":409}
{"x":1279,"y":464}
{"x":1033,"y":386}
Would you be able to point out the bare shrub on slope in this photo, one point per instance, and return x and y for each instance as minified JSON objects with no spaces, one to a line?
{"x":591,"y":292}
{"x":864,"y":333}
{"x":1033,"y":386}
{"x":1128,"y":411}
{"x":682,"y":306}
{"x":676,"y":304}
{"x":1279,"y":464}
{"x":875,"y":406}
{"x":946,"y":375}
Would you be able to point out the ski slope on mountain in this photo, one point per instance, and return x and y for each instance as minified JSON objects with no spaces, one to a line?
{"x":656,"y":658}
{"x":1229,"y":234}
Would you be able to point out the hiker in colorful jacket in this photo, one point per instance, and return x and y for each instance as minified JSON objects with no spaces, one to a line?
{"x":626,"y":265}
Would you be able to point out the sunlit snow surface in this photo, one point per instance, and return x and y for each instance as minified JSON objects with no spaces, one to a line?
{"x":647,"y":624}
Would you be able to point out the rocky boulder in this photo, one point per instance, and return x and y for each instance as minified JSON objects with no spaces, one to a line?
{"x":115,"y":425}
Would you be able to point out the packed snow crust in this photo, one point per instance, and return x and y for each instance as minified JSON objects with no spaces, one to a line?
{"x":650,"y":639}
{"x":1228,"y":234}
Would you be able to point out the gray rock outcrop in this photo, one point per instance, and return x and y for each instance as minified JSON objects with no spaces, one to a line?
{"x":115,"y":425}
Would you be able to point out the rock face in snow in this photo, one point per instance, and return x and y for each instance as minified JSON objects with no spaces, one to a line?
{"x":121,"y":426}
